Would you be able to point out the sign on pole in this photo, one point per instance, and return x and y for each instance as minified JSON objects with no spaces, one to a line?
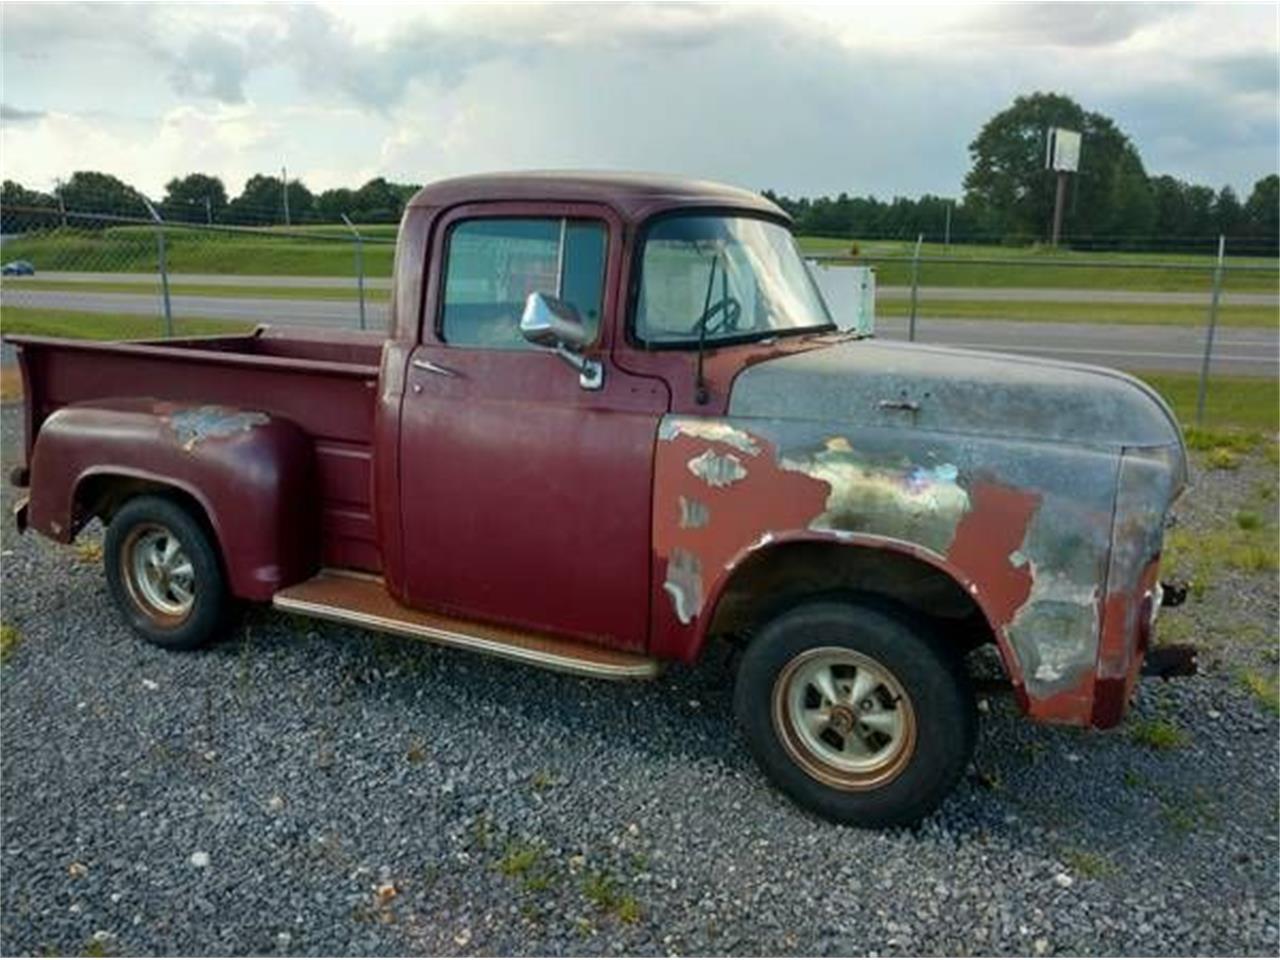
{"x":1064,"y":150}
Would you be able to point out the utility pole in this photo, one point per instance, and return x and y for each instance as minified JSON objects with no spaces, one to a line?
{"x":208,"y":210}
{"x":946,"y":240}
{"x":62,"y":207}
{"x":1058,"y":203}
{"x":284,"y":187}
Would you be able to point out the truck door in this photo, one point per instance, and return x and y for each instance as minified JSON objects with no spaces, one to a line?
{"x":525,"y":497}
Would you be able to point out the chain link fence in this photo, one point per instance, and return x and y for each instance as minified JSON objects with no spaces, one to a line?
{"x":96,"y":274}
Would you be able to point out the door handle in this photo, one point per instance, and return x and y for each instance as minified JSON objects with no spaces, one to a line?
{"x":435,"y":368}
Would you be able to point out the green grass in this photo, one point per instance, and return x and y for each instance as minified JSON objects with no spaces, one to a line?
{"x":10,"y":640}
{"x":1157,"y":734}
{"x":105,"y":326}
{"x":1031,"y":311}
{"x":1031,"y":270}
{"x":1243,"y":403}
{"x":133,"y":249}
{"x":204,"y":289}
{"x":1087,"y":863}
{"x":1262,"y":688}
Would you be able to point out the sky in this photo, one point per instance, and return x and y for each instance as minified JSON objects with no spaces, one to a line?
{"x":804,"y":100}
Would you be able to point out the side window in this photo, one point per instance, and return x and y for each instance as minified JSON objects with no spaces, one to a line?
{"x":494,"y":264}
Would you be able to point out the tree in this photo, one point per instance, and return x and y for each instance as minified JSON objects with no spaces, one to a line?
{"x":1262,"y":212}
{"x":91,"y":192}
{"x":195,"y":198}
{"x":15,"y":215}
{"x":1010,"y":190}
{"x":262,"y":202}
{"x":1228,"y":214}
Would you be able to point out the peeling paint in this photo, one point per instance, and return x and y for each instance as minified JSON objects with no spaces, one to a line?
{"x":713,"y":430}
{"x":915,"y":503}
{"x":693,"y":514}
{"x":212,"y":422}
{"x":684,"y":584}
{"x":717,"y":470}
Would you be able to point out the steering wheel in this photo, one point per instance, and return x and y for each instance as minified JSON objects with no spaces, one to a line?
{"x":731,"y":309}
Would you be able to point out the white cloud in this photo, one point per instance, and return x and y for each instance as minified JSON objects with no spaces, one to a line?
{"x":804,"y":99}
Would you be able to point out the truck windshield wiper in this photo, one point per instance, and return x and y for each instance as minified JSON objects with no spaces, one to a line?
{"x":700,"y":393}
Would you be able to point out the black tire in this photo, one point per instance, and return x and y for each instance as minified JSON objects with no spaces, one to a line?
{"x":857,"y":629}
{"x":134,"y":529}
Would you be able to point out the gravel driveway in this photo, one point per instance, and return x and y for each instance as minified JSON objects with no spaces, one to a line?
{"x":309,"y":789}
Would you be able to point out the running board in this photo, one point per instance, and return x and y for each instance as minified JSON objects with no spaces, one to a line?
{"x":362,"y":601}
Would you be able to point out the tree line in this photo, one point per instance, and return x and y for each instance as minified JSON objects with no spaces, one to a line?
{"x":1008,"y":196}
{"x":202,"y":198}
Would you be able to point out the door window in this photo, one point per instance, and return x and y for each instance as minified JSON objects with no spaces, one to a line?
{"x":494,"y":264}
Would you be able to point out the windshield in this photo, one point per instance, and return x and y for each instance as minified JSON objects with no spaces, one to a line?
{"x":724,"y":278}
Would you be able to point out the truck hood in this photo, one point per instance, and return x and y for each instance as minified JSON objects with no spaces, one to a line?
{"x":938,"y":389}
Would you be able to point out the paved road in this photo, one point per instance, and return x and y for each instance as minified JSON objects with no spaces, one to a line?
{"x":926,"y":294}
{"x":1246,"y":351}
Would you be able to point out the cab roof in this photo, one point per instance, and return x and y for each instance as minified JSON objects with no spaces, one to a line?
{"x":633,"y":195}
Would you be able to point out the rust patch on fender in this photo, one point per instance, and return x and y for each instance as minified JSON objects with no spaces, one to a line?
{"x":700,"y":526}
{"x":986,"y":537}
{"x":195,"y":424}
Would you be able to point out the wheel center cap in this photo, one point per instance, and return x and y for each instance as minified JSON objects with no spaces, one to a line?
{"x":842,"y":719}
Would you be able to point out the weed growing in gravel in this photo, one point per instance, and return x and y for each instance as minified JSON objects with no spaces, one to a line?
{"x":1134,"y":780}
{"x":542,"y":780}
{"x":602,"y":890}
{"x":1198,"y":554}
{"x":417,"y":751}
{"x":1262,"y":688}
{"x":1158,"y":734}
{"x":1221,"y":458}
{"x":1248,"y":520}
{"x":1187,"y":812}
{"x":519,"y":859}
{"x":10,"y":640}
{"x":1087,"y":863}
{"x":88,"y":551}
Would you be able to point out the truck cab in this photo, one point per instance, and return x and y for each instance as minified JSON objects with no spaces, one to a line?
{"x":610,"y":421}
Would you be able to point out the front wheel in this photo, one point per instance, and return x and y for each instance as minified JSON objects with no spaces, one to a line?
{"x":164,"y":573}
{"x":856,"y":711}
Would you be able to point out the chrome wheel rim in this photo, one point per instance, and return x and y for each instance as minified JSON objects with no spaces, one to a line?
{"x":844,"y":718}
{"x":160,"y":576}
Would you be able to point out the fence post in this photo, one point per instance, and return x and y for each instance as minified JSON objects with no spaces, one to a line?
{"x":359,"y":265}
{"x":1213,"y":326}
{"x":915,"y":287}
{"x":164,"y":267}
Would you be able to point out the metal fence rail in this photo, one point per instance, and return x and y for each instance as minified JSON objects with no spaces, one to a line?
{"x":169,"y":278}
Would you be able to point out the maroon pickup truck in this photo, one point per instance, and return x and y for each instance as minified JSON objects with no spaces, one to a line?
{"x":611,"y":420}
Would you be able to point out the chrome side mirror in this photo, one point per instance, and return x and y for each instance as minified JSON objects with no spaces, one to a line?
{"x":551,"y":323}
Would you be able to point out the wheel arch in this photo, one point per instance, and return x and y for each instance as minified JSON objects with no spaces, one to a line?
{"x":768,"y":577}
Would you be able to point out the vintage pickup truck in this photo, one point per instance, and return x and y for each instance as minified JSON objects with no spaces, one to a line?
{"x":612,"y":419}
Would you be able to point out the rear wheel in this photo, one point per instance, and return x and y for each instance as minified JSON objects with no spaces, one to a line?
{"x":856,"y":711}
{"x":164,"y":573}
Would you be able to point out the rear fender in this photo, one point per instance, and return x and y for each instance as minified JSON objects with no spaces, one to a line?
{"x":252,"y":474}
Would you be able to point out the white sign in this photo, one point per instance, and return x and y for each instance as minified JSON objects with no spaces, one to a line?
{"x":850,"y":294}
{"x":1064,"y":150}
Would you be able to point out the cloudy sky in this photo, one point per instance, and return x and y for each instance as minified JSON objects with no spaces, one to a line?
{"x":881,"y":100}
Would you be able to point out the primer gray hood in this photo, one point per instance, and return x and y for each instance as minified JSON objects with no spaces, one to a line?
{"x":877,"y":384}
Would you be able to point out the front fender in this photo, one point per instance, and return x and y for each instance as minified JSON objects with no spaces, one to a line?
{"x":251,"y":473}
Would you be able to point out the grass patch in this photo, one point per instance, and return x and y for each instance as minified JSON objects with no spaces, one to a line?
{"x":35,"y":321}
{"x":1248,"y":520}
{"x":1220,"y":458}
{"x":519,"y":859}
{"x":1208,"y":438}
{"x":1262,"y":688}
{"x":1158,"y":734}
{"x":1198,"y":555}
{"x":10,"y":640}
{"x":1032,"y":267}
{"x":603,"y":892}
{"x":1087,"y":863}
{"x":88,"y":551}
{"x":1032,"y":311}
{"x":10,"y":383}
{"x":1239,"y":403}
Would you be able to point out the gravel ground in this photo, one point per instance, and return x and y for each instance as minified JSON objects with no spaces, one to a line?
{"x":309,"y":789}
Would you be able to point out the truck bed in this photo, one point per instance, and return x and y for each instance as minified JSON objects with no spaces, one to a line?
{"x":324,"y":381}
